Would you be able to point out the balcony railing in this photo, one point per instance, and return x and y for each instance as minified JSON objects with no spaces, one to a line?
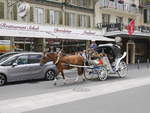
{"x":119,"y":6}
{"x":111,"y":27}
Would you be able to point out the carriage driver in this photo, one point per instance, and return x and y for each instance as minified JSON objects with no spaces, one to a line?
{"x":93,"y":45}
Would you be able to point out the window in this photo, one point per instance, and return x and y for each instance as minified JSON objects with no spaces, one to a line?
{"x":9,"y":62}
{"x":71,"y":19}
{"x":119,"y":19}
{"x":129,"y":20}
{"x":74,"y":2}
{"x":31,"y":14}
{"x":1,"y":10}
{"x":55,"y":17}
{"x":81,"y":3}
{"x":105,"y":18}
{"x":145,"y":15}
{"x":84,"y":21}
{"x":21,"y":60}
{"x":15,"y":12}
{"x":148,"y":16}
{"x":39,"y":15}
{"x":34,"y":58}
{"x":53,"y":0}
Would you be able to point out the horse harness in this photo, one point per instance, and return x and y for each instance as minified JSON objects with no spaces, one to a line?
{"x":57,"y":60}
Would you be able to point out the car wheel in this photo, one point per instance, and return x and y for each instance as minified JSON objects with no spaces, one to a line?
{"x":50,"y":75}
{"x":2,"y":80}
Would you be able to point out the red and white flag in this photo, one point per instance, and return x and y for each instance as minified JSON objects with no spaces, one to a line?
{"x":130,"y":27}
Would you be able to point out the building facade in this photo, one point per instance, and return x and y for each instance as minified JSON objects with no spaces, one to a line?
{"x":114,"y":15}
{"x":33,"y":25}
{"x":61,"y":14}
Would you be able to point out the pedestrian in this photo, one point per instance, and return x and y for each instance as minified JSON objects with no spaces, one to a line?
{"x":93,"y":45}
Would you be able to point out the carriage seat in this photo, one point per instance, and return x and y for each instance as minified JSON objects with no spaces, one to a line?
{"x":95,"y":62}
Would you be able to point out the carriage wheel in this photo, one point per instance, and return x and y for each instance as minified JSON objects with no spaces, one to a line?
{"x":102,"y":73}
{"x":123,"y":70}
{"x":88,"y":73}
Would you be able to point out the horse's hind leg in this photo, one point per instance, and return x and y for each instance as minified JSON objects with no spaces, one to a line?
{"x":55,"y":80}
{"x":80,"y":72}
{"x":77,"y":78}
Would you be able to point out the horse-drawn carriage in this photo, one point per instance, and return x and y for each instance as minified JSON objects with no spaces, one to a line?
{"x":107,"y":59}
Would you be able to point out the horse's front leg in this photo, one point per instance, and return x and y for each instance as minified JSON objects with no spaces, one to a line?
{"x":64,"y":77}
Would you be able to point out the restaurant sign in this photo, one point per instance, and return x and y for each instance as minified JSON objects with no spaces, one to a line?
{"x":16,"y":29}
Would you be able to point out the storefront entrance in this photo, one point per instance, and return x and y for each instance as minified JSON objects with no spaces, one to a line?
{"x":130,"y":59}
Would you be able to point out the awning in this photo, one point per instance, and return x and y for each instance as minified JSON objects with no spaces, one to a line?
{"x":82,"y":37}
{"x":16,"y":29}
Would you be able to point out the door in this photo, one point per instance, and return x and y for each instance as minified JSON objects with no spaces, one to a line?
{"x":35,"y":68}
{"x":130,"y":53}
{"x":19,"y":71}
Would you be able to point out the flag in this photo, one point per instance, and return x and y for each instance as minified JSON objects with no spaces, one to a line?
{"x":130,"y":27}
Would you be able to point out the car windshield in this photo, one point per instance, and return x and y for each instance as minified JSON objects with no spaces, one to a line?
{"x":6,"y":56}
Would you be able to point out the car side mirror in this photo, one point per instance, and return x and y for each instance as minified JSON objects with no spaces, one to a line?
{"x":14,"y":64}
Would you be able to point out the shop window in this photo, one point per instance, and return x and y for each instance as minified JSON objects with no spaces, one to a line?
{"x":55,"y":17}
{"x":1,"y":10}
{"x":39,"y":15}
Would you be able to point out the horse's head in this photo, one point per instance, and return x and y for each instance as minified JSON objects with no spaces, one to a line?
{"x":48,"y":57}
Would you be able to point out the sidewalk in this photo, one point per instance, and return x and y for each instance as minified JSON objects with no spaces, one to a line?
{"x":141,"y":66}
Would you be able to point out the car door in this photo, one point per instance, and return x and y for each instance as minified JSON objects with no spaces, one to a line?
{"x":20,"y":71}
{"x":35,"y":68}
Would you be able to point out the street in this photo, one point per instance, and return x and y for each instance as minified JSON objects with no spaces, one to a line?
{"x":115,"y":95}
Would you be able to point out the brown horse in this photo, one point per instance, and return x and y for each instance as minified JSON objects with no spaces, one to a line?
{"x":62,"y":62}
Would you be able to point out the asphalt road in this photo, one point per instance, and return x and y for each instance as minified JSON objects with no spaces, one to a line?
{"x":135,"y":100}
{"x":29,"y":88}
